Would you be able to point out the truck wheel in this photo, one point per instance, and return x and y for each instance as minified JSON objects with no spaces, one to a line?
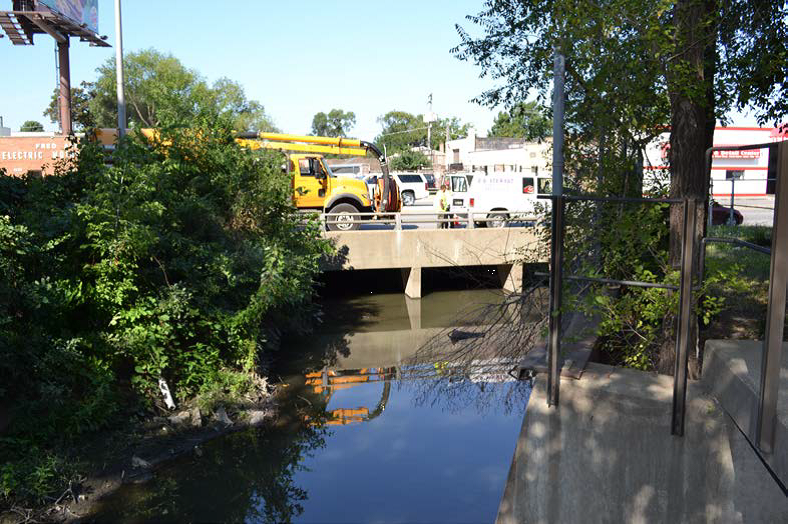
{"x":497,"y":219}
{"x":408,"y":198}
{"x":340,"y":218}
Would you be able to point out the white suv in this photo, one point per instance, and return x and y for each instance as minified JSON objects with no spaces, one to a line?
{"x":412,"y":187}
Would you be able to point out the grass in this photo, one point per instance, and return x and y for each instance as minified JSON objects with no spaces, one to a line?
{"x":746,"y":296}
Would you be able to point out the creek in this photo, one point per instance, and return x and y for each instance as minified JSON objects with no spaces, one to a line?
{"x":366,"y":432}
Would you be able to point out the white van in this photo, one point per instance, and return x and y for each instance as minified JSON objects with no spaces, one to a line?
{"x":502,"y":197}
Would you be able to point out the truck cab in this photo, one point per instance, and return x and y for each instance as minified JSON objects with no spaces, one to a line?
{"x":315,"y":187}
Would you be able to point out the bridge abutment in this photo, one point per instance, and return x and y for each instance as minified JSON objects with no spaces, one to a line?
{"x":511,"y":276}
{"x":411,"y":280}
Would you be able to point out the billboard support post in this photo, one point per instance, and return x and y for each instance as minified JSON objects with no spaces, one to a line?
{"x":119,"y":70}
{"x":65,"y":87}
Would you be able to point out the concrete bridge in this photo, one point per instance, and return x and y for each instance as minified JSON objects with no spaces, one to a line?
{"x":412,"y":250}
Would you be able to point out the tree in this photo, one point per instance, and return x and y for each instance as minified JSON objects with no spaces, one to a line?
{"x":525,"y":120}
{"x":229,"y":100}
{"x":81,"y":115}
{"x":161,"y":90}
{"x":403,"y":131}
{"x":456,"y":130}
{"x":335,"y":123}
{"x":410,"y":161}
{"x":31,"y":125}
{"x":633,"y":69}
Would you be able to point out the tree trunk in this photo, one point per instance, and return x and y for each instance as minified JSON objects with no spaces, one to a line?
{"x":691,"y":85}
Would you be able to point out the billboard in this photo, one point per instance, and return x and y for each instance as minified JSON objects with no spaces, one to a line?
{"x":79,"y":11}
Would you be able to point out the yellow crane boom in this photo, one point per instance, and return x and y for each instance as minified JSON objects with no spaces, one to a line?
{"x":307,"y":144}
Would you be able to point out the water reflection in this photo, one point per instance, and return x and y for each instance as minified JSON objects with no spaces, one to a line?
{"x":369,"y":432}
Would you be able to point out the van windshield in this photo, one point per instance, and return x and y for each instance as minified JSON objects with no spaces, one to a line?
{"x":458,"y":184}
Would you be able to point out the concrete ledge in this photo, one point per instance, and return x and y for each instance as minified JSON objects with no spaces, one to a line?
{"x":732,"y":374}
{"x":432,"y":248}
{"x":605,"y":454}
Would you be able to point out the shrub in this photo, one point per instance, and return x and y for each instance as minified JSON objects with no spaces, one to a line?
{"x":179,"y":258}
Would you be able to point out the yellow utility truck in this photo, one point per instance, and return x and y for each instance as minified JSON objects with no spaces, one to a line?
{"x":316,"y":188}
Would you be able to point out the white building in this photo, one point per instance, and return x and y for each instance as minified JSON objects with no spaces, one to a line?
{"x":497,"y":155}
{"x":744,"y":172}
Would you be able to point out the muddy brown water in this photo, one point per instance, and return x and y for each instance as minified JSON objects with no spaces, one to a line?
{"x":367,"y":434}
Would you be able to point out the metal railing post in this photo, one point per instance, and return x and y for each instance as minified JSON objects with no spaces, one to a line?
{"x":685,"y":312}
{"x":471,"y":225}
{"x":775,"y":315}
{"x":731,"y":220}
{"x":710,"y":215}
{"x":398,"y":221}
{"x":556,"y":273}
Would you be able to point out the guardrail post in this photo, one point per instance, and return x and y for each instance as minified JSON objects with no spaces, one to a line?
{"x":685,"y":312}
{"x":556,"y":273}
{"x":398,"y":221}
{"x":775,"y":315}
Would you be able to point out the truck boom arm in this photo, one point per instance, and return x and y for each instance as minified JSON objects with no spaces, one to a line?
{"x":321,"y":144}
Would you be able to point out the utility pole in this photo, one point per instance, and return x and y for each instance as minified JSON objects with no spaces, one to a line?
{"x":559,"y":65}
{"x":119,"y":70}
{"x":429,"y":124}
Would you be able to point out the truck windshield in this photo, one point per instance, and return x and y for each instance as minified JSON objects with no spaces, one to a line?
{"x":328,"y":169}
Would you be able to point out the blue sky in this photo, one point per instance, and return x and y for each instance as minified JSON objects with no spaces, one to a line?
{"x":297,"y":58}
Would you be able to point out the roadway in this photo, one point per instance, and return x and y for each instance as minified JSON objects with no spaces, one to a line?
{"x":755,"y":210}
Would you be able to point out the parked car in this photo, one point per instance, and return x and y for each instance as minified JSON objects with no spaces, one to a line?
{"x":432,"y":186}
{"x":412,"y":187}
{"x":720,"y":215}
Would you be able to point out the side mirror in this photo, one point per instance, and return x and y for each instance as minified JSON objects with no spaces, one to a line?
{"x":317,"y":168}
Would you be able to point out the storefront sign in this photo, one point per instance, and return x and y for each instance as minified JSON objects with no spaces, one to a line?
{"x":750,"y":153}
{"x":18,"y":155}
{"x":80,"y":11}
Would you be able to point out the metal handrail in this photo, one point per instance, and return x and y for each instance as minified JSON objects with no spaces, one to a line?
{"x":778,"y":281}
{"x":685,"y":296}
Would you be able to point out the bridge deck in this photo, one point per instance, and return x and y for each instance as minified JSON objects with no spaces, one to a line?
{"x":412,"y":250}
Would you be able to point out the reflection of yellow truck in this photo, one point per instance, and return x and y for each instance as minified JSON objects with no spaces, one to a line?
{"x":316,"y":187}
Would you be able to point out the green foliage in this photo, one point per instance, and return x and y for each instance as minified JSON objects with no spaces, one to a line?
{"x":183,"y":259}
{"x":160,"y":90}
{"x":525,"y":120}
{"x":81,"y":115}
{"x":409,"y":161}
{"x":335,"y":123}
{"x":402,"y":131}
{"x":31,"y":125}
{"x":629,"y":242}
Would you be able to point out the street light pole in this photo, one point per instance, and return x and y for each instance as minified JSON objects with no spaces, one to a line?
{"x":119,"y":70}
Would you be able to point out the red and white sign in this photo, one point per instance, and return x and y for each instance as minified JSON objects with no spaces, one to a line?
{"x":749,"y":153}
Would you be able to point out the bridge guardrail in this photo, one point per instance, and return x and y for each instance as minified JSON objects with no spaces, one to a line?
{"x":469,"y":219}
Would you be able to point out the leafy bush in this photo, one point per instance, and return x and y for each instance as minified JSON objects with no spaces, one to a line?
{"x":180,"y":257}
{"x":629,"y":242}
